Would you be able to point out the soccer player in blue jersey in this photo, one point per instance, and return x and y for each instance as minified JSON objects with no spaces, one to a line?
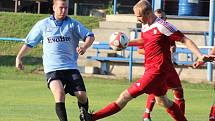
{"x":60,"y":37}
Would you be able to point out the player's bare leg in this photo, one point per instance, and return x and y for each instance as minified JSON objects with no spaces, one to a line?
{"x":59,"y":96}
{"x":171,"y":108}
{"x":82,"y":99}
{"x":82,"y":102}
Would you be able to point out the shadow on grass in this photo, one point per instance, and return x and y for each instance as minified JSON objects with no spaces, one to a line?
{"x":10,"y":60}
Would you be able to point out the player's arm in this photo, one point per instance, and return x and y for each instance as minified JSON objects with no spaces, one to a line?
{"x":33,"y":38}
{"x":84,"y":34}
{"x":201,"y":58}
{"x":136,"y":42}
{"x":212,"y":51}
{"x":172,"y":49}
{"x":199,"y":63}
{"x":192,"y":46}
{"x":87,"y":43}
{"x":212,"y":54}
{"x":141,"y":51}
{"x":19,"y":56}
{"x":172,"y":46}
{"x":174,"y":34}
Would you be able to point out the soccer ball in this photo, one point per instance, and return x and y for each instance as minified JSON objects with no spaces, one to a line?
{"x":118,"y":41}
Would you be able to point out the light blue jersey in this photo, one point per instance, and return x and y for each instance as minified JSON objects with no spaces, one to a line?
{"x":60,"y":40}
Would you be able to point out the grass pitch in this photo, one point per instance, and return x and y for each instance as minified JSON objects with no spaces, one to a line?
{"x":25,"y":97}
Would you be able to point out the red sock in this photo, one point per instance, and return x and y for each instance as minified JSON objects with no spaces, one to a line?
{"x":179,"y":99}
{"x":176,"y":113}
{"x":135,"y":44}
{"x":107,"y":111}
{"x":212,"y":113}
{"x":149,"y":105}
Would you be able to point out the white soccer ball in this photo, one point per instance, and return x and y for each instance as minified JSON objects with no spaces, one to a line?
{"x":118,"y":41}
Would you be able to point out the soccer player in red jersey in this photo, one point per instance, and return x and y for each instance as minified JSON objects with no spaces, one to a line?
{"x":196,"y":65}
{"x":173,"y":82}
{"x":212,"y":113}
{"x":156,"y":34}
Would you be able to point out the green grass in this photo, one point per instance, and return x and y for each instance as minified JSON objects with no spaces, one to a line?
{"x":19,"y":24}
{"x":25,"y":97}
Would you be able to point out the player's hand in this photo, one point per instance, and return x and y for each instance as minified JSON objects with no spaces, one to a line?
{"x":201,"y":61}
{"x":172,"y":49}
{"x":208,"y":58}
{"x":81,"y":50}
{"x":198,"y":64}
{"x":19,"y":64}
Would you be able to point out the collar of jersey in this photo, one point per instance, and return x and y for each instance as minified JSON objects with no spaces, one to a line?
{"x":58,"y":22}
{"x":157,"y":19}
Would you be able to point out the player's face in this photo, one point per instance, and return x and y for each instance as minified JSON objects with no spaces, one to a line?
{"x":60,"y":9}
{"x":140,"y":17}
{"x":161,"y":15}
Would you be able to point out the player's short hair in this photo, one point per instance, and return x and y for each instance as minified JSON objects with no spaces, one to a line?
{"x":143,"y":6}
{"x":162,"y":12}
{"x":58,"y":0}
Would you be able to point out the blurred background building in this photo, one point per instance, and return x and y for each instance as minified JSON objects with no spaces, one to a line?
{"x":88,"y":7}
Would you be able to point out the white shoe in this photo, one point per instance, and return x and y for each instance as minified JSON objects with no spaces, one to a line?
{"x":147,"y":119}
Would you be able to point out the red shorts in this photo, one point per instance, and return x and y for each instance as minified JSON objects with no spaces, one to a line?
{"x":155,"y":83}
{"x":173,"y":80}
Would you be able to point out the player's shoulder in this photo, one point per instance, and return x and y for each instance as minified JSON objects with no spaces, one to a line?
{"x":165,"y":25}
{"x":68,"y":18}
{"x":72,"y":20}
{"x":43,"y":22}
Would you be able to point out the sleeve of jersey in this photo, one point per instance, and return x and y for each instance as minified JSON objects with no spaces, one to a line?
{"x":34,"y":36}
{"x":172,"y":43}
{"x":83,"y":32}
{"x":140,"y":47}
{"x":171,"y":31}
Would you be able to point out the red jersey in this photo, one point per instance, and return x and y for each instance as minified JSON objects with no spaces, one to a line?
{"x":172,"y":43}
{"x":157,"y":38}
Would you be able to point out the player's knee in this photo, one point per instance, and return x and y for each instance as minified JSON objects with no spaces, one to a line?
{"x":59,"y":97}
{"x":81,"y":96}
{"x":126,"y":96}
{"x":123,"y":98}
{"x":168,"y":103}
{"x":163,"y":101}
{"x":160,"y":102}
{"x":178,"y":93}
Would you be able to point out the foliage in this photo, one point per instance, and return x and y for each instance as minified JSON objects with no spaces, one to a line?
{"x":19,"y":24}
{"x":109,"y":10}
